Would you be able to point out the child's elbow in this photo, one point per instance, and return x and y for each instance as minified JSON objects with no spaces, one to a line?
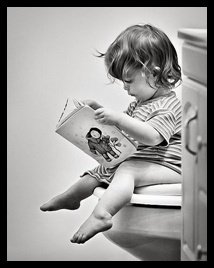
{"x":158,"y":140}
{"x":154,"y":139}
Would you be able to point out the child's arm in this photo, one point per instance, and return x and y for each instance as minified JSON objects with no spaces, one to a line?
{"x":140,"y":131}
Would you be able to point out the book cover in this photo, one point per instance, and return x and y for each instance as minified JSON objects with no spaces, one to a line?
{"x":105,"y":143}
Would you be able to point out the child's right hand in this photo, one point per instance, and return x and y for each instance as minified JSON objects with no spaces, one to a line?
{"x":93,"y":104}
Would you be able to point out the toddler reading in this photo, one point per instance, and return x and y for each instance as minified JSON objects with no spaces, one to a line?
{"x":145,"y":60}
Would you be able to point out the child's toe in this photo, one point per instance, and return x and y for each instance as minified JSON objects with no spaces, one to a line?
{"x":83,"y":238}
{"x":80,"y":239}
{"x":75,"y":237}
{"x":44,"y":207}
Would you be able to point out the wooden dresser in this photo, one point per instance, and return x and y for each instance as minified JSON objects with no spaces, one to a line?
{"x":194,"y":144}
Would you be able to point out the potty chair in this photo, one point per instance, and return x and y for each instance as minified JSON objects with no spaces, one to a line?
{"x":149,"y":226}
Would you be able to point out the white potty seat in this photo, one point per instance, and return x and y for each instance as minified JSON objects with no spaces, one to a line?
{"x":169,"y":194}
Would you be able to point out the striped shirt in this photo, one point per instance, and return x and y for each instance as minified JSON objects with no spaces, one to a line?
{"x":163,"y":114}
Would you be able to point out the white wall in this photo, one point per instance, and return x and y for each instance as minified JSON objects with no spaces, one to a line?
{"x":50,"y":57}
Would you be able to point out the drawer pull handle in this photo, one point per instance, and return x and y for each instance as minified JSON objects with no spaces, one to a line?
{"x":187,"y":134}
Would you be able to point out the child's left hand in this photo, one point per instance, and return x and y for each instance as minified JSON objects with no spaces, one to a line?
{"x":107,"y":116}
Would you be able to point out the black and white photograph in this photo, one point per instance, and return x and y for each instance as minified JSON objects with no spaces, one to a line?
{"x":122,"y":176}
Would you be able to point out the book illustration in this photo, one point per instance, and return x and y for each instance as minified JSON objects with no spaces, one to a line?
{"x":101,"y":144}
{"x":107,"y":144}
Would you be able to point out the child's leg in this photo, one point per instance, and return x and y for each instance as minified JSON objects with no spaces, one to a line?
{"x":71,"y":198}
{"x":118,"y":193}
{"x":129,"y":175}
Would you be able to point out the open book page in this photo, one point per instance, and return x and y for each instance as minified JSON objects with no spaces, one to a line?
{"x":71,"y":107}
{"x":105,"y":143}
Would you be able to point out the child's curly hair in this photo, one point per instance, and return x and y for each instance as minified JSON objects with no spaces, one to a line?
{"x":146,"y":48}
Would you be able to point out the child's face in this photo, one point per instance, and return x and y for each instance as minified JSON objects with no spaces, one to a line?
{"x":136,"y":86}
{"x":95,"y":134}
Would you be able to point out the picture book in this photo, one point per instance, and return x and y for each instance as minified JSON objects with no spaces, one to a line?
{"x":107,"y":144}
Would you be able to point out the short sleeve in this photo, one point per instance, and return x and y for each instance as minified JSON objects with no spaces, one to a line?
{"x":164,"y":121}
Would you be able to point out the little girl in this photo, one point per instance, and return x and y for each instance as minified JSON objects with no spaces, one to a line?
{"x":144,"y":59}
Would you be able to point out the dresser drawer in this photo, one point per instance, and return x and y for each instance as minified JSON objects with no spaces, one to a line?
{"x":194,"y":62}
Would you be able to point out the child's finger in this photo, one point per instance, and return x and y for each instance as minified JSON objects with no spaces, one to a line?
{"x":99,"y":111}
{"x":100,"y":116}
{"x":101,"y":120}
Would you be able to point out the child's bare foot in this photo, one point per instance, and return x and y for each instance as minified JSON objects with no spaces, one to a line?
{"x":62,"y":201}
{"x":94,"y":224}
